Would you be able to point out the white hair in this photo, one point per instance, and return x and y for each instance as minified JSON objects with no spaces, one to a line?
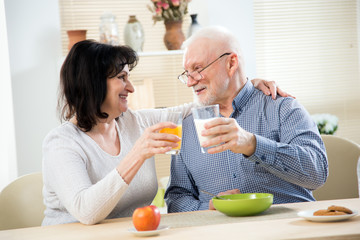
{"x":220,"y":34}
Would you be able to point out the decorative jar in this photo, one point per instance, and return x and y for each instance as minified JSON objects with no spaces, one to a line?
{"x":195,"y":26}
{"x":109,"y":29}
{"x":75,"y":36}
{"x":174,"y":36}
{"x":134,"y":34}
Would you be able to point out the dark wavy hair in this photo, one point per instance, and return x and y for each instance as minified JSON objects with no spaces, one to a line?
{"x":83,"y":79}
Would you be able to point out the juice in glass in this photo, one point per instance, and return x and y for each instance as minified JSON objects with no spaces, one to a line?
{"x":176,"y":131}
{"x":175,"y":117}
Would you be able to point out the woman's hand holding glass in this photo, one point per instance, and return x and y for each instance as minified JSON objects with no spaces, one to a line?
{"x":153,"y":142}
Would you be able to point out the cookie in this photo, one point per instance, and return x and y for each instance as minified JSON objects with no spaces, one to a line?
{"x":321,"y":212}
{"x":332,"y":213}
{"x":339,"y":209}
{"x":325,"y":212}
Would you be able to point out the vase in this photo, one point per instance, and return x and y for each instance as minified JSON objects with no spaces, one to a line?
{"x":75,"y":36}
{"x":109,"y":29}
{"x":174,"y":37}
{"x":195,"y":26}
{"x":134,"y":34}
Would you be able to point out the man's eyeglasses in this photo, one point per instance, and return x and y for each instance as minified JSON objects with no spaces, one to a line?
{"x":196,"y":75}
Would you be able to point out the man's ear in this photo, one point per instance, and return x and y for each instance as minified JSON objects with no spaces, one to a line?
{"x":233,"y":64}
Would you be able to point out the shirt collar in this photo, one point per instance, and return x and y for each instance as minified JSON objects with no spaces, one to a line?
{"x":243,"y":96}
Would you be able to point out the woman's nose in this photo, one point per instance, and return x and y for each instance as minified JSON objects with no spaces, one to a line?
{"x":130,"y":87}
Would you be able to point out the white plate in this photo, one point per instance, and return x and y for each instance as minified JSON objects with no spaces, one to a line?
{"x":148,"y":233}
{"x":308,"y":215}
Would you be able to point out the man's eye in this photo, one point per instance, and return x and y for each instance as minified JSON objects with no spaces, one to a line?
{"x":197,"y":68}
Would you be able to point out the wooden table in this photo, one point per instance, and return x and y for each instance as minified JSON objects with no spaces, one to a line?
{"x":278,"y":222}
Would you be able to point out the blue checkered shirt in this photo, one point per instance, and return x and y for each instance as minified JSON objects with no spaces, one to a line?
{"x":289,"y":161}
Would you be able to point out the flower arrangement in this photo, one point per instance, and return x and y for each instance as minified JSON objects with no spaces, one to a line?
{"x":169,"y":10}
{"x":326,"y":123}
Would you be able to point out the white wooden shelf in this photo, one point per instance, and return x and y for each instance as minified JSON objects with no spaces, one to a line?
{"x":160,"y":53}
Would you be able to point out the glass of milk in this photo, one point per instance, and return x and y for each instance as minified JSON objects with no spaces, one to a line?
{"x":202,"y":115}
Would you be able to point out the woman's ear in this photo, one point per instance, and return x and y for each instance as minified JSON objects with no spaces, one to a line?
{"x":233,"y":64}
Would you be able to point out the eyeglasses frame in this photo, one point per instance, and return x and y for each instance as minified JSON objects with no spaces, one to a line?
{"x":187,"y":74}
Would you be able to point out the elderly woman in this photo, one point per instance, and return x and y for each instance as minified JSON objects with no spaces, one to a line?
{"x":99,"y":163}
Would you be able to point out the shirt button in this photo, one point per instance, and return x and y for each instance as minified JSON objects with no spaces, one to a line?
{"x":234,"y":175}
{"x":257,"y":162}
{"x":263,"y":158}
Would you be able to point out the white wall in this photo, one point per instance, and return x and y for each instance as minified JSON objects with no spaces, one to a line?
{"x":34,"y":49}
{"x":8,"y":169}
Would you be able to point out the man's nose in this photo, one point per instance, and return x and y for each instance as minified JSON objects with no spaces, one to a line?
{"x":191,"y":82}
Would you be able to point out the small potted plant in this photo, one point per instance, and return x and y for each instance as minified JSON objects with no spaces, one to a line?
{"x":326,"y":123}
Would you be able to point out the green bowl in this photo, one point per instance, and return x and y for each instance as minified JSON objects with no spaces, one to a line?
{"x":244,"y":204}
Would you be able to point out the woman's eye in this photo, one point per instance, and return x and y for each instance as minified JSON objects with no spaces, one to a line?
{"x":122,"y":77}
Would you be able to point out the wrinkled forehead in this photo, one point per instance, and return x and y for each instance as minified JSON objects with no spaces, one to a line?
{"x":200,"y":51}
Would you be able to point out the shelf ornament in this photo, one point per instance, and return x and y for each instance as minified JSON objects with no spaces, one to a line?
{"x":172,"y":13}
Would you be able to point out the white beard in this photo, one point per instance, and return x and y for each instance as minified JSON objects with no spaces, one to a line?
{"x":211,"y":98}
{"x":209,"y":101}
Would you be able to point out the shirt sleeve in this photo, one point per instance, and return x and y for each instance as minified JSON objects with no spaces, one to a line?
{"x":299,"y":156}
{"x":150,"y":117}
{"x":64,"y":166}
{"x":182,"y":194}
{"x":185,"y":109}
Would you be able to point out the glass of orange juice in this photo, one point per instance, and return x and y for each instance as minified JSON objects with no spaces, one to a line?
{"x":175,"y":117}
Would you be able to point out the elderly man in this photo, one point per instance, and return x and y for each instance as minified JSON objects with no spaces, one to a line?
{"x":263,"y":145}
